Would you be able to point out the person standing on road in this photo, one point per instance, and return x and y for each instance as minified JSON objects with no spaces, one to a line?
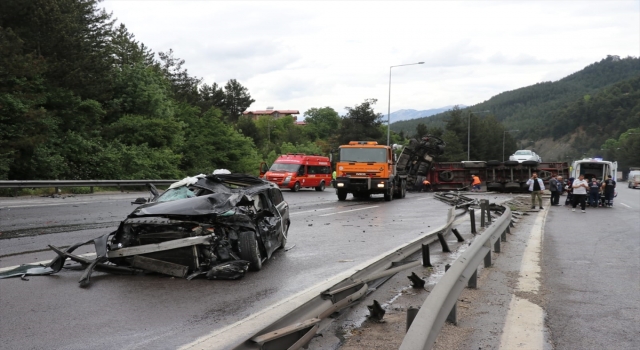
{"x":536,"y":186}
{"x":555,"y":187}
{"x":609,"y":189}
{"x":475,"y":183}
{"x":569,"y":189}
{"x":579,"y":192}
{"x":594,"y":193}
{"x":333,"y":179}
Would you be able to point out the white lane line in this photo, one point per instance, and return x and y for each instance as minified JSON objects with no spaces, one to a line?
{"x":309,"y":211}
{"x":44,"y":262}
{"x":524,"y":325}
{"x":421,"y":199}
{"x":626,"y":205}
{"x":348,"y":211}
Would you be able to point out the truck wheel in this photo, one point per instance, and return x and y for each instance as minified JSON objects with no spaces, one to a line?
{"x":388,"y":196}
{"x":403,"y":189}
{"x":249,"y":250}
{"x":296,"y":187}
{"x":342,"y":195}
{"x":321,"y":187}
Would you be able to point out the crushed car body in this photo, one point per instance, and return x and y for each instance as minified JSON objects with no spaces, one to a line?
{"x":218,"y":226}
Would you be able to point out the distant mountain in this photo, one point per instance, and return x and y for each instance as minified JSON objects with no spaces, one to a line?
{"x":407,"y":114}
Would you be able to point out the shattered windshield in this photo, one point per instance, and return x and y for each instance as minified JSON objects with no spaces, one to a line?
{"x":369,"y":155}
{"x":285,"y":167}
{"x":175,"y":194}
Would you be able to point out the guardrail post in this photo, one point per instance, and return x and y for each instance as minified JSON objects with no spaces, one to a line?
{"x":57,"y":190}
{"x":453,"y":315}
{"x":473,"y":281}
{"x":426,"y":257}
{"x":482,"y":210}
{"x":488,"y":214}
{"x":472,"y":215}
{"x":91,"y":189}
{"x":411,"y":315}
{"x":503,"y":237}
{"x":458,"y":236}
{"x":487,"y":259}
{"x":496,"y":246}
{"x":443,"y":243}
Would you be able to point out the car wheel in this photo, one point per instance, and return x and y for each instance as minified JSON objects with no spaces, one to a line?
{"x":321,"y":187}
{"x":249,"y":250}
{"x":296,"y":187}
{"x":342,"y":195}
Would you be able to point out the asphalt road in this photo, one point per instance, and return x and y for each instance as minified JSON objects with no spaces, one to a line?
{"x":591,"y":272}
{"x":151,"y":311}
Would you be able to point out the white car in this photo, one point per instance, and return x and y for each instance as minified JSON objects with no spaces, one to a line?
{"x":524,"y":155}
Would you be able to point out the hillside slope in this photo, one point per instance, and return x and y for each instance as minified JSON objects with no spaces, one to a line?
{"x":602,"y":99}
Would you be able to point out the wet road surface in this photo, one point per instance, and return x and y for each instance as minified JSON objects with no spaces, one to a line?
{"x":151,"y":311}
{"x":591,"y":272}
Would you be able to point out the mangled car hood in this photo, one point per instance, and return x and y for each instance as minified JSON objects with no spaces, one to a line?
{"x":216,"y":203}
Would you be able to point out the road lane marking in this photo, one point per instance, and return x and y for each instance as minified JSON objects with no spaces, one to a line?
{"x":44,"y":262}
{"x":348,"y":211}
{"x":626,"y":205}
{"x":421,"y":199}
{"x":309,"y":211}
{"x":524,"y":325}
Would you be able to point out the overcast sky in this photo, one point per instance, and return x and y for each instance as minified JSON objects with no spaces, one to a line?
{"x":304,"y":54}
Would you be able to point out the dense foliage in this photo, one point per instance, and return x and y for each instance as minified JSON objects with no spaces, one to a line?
{"x":80,"y":98}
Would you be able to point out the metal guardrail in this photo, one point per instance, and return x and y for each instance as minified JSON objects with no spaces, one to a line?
{"x":81,"y":183}
{"x":441,"y":304}
{"x":296,"y":328}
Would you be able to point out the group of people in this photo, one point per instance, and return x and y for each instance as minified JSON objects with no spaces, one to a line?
{"x":579,"y":191}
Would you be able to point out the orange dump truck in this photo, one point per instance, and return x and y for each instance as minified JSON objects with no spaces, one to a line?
{"x":366,"y":168}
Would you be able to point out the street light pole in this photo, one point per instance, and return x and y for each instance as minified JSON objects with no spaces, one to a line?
{"x":389,"y":101}
{"x":504,"y":134}
{"x":469,"y":133}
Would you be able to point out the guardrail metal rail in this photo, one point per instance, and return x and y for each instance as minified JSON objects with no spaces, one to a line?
{"x":16,"y":184}
{"x":440,"y":305}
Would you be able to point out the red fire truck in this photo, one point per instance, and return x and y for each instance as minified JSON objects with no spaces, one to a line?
{"x":296,"y":171}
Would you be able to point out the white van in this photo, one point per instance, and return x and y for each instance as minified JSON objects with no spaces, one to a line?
{"x":594,"y":167}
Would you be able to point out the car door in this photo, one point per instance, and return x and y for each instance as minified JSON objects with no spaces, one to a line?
{"x":282,"y":208}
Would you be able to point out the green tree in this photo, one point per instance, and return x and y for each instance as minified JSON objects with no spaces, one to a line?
{"x":361,"y":123}
{"x":236,"y":99}
{"x":321,"y":122}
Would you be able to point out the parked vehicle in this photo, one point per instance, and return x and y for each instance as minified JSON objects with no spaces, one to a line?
{"x":524,"y":155}
{"x":634,"y":181}
{"x":296,"y":171}
{"x":366,"y":168}
{"x":594,"y":167}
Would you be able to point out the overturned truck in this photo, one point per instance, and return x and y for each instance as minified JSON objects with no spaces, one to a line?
{"x":417,"y":158}
{"x":218,"y":226}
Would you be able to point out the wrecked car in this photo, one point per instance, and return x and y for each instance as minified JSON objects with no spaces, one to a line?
{"x":218,"y":225}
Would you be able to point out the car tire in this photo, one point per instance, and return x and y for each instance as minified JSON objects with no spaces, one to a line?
{"x":493,"y":163}
{"x":296,"y":187}
{"x":249,"y":249}
{"x":511,"y":163}
{"x":530,"y":163}
{"x":321,"y":187}
{"x":342,"y":195}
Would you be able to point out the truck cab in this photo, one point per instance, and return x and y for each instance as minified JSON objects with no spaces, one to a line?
{"x":366,"y":168}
